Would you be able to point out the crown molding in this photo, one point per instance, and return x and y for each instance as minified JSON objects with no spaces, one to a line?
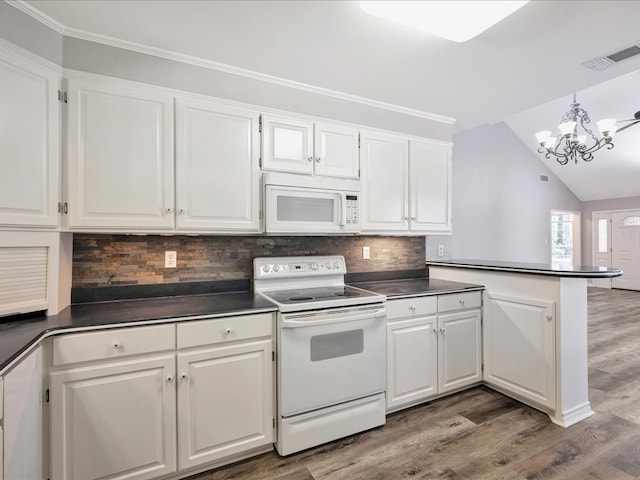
{"x":27,"y":55}
{"x":222,"y":67}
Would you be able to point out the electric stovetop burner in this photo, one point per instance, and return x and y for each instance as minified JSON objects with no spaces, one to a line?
{"x":319,"y":294}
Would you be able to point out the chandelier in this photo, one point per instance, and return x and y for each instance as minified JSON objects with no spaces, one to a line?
{"x":576,"y":141}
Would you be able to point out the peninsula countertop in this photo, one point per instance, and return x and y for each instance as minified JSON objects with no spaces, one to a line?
{"x":547,"y":269}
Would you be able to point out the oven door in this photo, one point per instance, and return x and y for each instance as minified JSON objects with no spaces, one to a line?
{"x":308,"y":210}
{"x":330,"y":356}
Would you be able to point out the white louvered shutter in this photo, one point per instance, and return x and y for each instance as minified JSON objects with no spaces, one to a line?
{"x":23,"y":279}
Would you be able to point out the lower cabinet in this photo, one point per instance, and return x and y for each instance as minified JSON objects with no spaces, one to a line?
{"x":433,"y":347}
{"x":114,"y":420}
{"x":126,"y":405}
{"x":519,"y":347}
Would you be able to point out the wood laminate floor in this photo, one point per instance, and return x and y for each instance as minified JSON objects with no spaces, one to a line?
{"x":481,"y":434}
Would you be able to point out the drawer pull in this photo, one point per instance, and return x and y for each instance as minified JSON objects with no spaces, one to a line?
{"x":116,"y":344}
{"x":169,"y":378}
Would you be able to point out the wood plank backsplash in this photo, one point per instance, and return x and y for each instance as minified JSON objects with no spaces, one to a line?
{"x":100,"y":260}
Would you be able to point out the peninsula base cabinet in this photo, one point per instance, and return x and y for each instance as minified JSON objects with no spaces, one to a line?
{"x":519,"y":338}
{"x":126,"y":405}
{"x":433,"y":347}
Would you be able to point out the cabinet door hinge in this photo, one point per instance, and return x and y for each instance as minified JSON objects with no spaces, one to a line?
{"x":358,"y":141}
{"x":273,"y":356}
{"x":482,"y":367}
{"x":260,"y":162}
{"x":65,"y":208}
{"x":46,"y":396}
{"x":59,"y":95}
{"x":260,"y":215}
{"x":64,"y":97}
{"x":260,"y":124}
{"x":59,"y":207}
{"x":274,"y":422}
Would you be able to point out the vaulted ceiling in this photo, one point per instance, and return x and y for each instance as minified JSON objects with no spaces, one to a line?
{"x":523,"y":70}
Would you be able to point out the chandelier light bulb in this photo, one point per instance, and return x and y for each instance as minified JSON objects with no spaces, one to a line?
{"x":607,"y":127}
{"x":567,"y":128}
{"x":544,"y":138}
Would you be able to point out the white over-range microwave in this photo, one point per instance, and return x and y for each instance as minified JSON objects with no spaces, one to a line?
{"x":300,"y":205}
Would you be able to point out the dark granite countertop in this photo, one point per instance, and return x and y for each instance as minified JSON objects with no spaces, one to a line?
{"x":415,"y":287}
{"x":17,"y":336}
{"x":548,"y":269}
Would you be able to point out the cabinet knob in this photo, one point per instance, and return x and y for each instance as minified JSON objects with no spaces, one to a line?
{"x":405,"y":218}
{"x":181,"y":211}
{"x":317,"y":159}
{"x":168,"y":210}
{"x":462,"y":302}
{"x":228,"y":330}
{"x":412,"y":308}
{"x":183,"y":376}
{"x":442,"y":331}
{"x":169,"y":378}
{"x":116,"y":344}
{"x":309,"y":159}
{"x":435,"y":330}
{"x":413,"y":218}
{"x":549,"y":317}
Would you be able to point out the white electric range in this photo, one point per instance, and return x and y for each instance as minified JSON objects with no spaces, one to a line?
{"x":331,"y":344}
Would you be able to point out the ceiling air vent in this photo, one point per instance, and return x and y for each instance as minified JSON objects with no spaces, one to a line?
{"x":602,"y":63}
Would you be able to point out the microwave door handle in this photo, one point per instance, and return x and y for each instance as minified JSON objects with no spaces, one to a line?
{"x":343,"y":209}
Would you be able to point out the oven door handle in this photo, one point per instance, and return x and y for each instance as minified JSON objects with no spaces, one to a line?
{"x":331,"y":318}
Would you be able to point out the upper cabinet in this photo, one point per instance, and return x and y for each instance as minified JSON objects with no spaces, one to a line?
{"x":299,"y":146}
{"x":29,"y":142}
{"x":430,"y":186}
{"x":120,"y":156}
{"x":217,"y":167}
{"x":406,"y":185}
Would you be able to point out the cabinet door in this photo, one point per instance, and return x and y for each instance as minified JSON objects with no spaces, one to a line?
{"x":430,"y":190}
{"x":225,"y":401}
{"x":336,"y":151}
{"x":217,"y":171}
{"x":412,"y":361}
{"x":120,"y":154}
{"x":287,"y":145}
{"x":519,"y":354}
{"x":114,"y":420}
{"x":29,"y":143}
{"x":459,"y":350}
{"x":385,"y":184}
{"x":23,"y":419}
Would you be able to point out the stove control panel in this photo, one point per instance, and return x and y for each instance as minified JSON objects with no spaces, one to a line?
{"x":288,"y":267}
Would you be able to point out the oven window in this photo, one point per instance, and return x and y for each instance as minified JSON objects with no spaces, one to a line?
{"x":305,"y":209}
{"x":334,"y":345}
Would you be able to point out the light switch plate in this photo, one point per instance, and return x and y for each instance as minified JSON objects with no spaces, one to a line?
{"x":366,"y":253}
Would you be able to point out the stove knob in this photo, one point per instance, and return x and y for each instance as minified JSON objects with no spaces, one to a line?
{"x":276,"y":268}
{"x":328,"y":265}
{"x":265,"y":269}
{"x":314,"y":266}
{"x":336,"y":265}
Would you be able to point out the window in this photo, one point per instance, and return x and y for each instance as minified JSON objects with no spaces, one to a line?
{"x":602,"y":236}
{"x":562,"y":238}
{"x":630,"y":222}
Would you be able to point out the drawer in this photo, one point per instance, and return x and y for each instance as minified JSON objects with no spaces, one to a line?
{"x":113,"y":343}
{"x":412,"y":307}
{"x":227,"y":329}
{"x":459,"y":301}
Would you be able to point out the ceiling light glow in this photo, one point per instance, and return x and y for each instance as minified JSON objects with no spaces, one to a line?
{"x":454,"y":20}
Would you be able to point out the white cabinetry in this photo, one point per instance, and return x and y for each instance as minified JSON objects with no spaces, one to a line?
{"x":115,"y":418}
{"x":225,"y":388}
{"x":217,"y":170}
{"x":22,"y":419}
{"x":433,"y":346}
{"x":125,"y":406}
{"x":430,"y":187}
{"x":29,"y":142}
{"x":519,"y":342}
{"x":301,"y":146}
{"x":120,"y":156}
{"x":406,"y":184}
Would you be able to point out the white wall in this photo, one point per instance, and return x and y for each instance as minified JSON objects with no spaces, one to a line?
{"x":629,"y":203}
{"x":501,"y":208}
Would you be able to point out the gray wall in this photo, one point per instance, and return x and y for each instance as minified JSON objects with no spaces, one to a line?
{"x":501,"y":208}
{"x":587,"y":225}
{"x":28,"y":33}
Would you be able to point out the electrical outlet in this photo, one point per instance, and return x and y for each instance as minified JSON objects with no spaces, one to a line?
{"x":366,"y":253}
{"x":170,"y":259}
{"x":441,"y":250}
